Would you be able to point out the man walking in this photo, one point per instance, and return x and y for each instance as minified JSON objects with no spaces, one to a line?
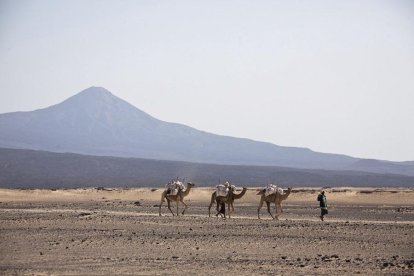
{"x":322,"y":204}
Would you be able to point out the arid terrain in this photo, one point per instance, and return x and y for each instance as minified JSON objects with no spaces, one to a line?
{"x":118,"y":232}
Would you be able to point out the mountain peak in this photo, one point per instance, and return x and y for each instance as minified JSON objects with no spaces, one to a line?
{"x":93,"y":98}
{"x":96,"y":107}
{"x":93,"y":93}
{"x":95,"y":90}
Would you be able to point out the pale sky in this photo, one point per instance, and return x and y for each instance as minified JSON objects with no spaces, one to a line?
{"x":332,"y":76}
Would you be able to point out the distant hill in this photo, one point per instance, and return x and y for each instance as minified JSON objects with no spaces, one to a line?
{"x":39,"y":169}
{"x":95,"y":122}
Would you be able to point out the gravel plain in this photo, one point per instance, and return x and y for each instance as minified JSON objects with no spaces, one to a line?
{"x":119,"y":232}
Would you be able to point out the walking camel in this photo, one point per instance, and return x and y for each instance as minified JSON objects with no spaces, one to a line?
{"x":177,"y":198}
{"x":276,"y":198}
{"x":228,"y":199}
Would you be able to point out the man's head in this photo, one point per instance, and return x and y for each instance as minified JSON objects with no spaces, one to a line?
{"x":323,"y":192}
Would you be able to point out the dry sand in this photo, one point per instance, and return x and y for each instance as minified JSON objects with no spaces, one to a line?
{"x":118,"y":232}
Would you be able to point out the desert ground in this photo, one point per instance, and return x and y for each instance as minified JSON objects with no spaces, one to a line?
{"x":96,"y":231}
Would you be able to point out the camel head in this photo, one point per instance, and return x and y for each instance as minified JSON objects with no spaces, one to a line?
{"x":286,"y":191}
{"x":189,"y":184}
{"x":286,"y":194}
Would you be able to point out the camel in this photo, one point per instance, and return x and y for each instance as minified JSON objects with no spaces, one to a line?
{"x":229,"y":200}
{"x":177,"y":198}
{"x":277,"y":198}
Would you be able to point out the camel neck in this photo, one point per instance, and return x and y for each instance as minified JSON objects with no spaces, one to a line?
{"x":187,"y":191}
{"x":285,"y":195}
{"x":237,"y":196}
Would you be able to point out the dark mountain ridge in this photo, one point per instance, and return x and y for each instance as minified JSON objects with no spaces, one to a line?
{"x":95,"y":122}
{"x":39,"y":169}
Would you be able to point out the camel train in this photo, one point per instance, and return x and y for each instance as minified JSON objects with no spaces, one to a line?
{"x":224,"y":195}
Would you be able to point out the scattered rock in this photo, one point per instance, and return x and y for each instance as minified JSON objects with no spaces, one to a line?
{"x":404,"y":210}
{"x":83,"y":214}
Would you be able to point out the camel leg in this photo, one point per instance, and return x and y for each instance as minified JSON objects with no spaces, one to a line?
{"x":169,"y":207}
{"x":160,"y":207}
{"x":162,"y":201}
{"x":276,"y":215}
{"x":185,"y":207}
{"x":229,"y":208}
{"x":232,"y":207}
{"x":211,"y":204}
{"x":280,"y":206}
{"x":260,"y":207}
{"x":268,"y":209}
{"x":177,"y":206}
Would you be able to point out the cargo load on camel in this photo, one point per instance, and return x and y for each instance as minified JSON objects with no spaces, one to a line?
{"x":272,"y":189}
{"x":223,"y":189}
{"x":174,"y":187}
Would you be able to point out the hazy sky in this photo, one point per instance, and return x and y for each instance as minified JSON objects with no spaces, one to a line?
{"x":332,"y":76}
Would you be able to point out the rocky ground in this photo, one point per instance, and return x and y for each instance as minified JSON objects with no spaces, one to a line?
{"x":120,"y":236}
